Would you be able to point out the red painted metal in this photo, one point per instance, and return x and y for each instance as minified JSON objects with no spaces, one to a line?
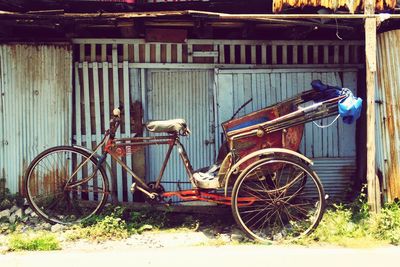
{"x":289,"y":138}
{"x":201,"y":195}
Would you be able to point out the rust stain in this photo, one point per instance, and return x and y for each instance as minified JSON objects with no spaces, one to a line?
{"x":351,"y":5}
{"x":388,"y":85}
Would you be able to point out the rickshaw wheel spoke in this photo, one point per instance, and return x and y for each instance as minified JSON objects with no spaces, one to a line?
{"x":289,"y":200}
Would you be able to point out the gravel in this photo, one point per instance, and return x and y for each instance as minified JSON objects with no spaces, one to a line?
{"x":23,"y":220}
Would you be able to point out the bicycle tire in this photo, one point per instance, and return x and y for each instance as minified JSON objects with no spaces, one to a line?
{"x":289,"y":200}
{"x":58,"y":198}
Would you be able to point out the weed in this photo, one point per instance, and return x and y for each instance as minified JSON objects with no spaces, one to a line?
{"x":37,"y":241}
{"x":103,"y":229}
{"x":386,"y":224}
{"x":354,"y":226}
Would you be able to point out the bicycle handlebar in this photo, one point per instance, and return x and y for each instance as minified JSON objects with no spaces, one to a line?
{"x":115,"y":121}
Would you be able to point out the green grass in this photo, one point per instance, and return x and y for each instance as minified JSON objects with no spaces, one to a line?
{"x":353,"y":226}
{"x":34,"y":241}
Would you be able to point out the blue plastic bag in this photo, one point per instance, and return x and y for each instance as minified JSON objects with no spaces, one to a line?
{"x":350,"y":108}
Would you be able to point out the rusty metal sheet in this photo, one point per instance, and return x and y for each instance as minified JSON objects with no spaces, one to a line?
{"x":36,"y":83}
{"x":388,"y":113}
{"x":351,"y":5}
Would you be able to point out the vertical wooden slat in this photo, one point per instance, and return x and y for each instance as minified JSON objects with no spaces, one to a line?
{"x":374,"y":197}
{"x":78,"y":113}
{"x":284,"y":54}
{"x":158,"y":53}
{"x":264,"y":54}
{"x":346,"y":54}
{"x":78,"y":116}
{"x":125,"y":52}
{"x":305,"y":54}
{"x":147,"y":52}
{"x":130,"y":52}
{"x":106,"y":108}
{"x":232,"y":54}
{"x":179,"y":53}
{"x":315,"y":54}
{"x":136,"y":53}
{"x":96,"y":89}
{"x":103,"y":52}
{"x":253,"y":54}
{"x":336,"y":55}
{"x":97,"y":113}
{"x":86,"y":101}
{"x":127,"y":109}
{"x":106,"y":96}
{"x":242,"y":54}
{"x":326,"y":54}
{"x":274,"y":54}
{"x":221,"y":54}
{"x":295,"y":54}
{"x":168,"y":49}
{"x":190,"y":53}
{"x":86,"y":97}
{"x":92,"y":52}
{"x":117,"y":181}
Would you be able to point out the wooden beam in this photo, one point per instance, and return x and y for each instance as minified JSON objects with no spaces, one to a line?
{"x":374,"y":198}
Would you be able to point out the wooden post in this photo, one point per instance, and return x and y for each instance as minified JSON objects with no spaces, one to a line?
{"x":374,"y":199}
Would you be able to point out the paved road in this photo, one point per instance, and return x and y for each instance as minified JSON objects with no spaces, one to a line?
{"x":245,"y":256}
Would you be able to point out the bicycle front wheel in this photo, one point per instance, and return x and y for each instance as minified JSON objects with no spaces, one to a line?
{"x":284,"y":200}
{"x":64,"y":185}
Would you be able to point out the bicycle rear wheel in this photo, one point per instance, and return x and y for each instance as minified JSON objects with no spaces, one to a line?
{"x":64,"y":186}
{"x":288,"y":200}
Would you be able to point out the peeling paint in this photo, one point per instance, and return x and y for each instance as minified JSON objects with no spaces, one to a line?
{"x":388,"y":113}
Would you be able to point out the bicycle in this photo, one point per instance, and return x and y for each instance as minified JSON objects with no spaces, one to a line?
{"x":273,"y":192}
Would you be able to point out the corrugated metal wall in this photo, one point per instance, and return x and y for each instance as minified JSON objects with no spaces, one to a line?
{"x":333,"y":149}
{"x":388,"y":113}
{"x":186,"y":94}
{"x":35,"y":85}
{"x":142,"y":67}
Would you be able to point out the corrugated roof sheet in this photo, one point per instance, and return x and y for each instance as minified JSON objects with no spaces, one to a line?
{"x":351,"y":5}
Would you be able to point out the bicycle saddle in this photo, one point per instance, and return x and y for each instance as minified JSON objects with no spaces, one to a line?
{"x":168,"y":126}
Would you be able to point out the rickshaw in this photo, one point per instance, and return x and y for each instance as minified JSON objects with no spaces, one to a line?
{"x":273,"y":192}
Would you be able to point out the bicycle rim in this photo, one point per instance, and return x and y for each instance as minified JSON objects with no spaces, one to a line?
{"x":48,"y":191}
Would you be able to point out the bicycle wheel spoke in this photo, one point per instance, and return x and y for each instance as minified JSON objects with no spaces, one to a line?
{"x":49,"y":194}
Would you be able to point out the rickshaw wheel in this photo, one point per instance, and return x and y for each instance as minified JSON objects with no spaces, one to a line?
{"x":277,"y":199}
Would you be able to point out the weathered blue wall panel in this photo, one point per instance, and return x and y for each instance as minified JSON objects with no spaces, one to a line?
{"x":36,"y":84}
